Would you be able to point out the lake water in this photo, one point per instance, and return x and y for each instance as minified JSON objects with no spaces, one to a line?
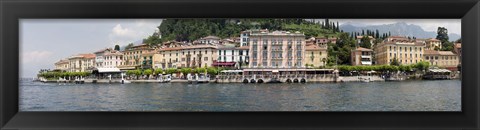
{"x":439,"y":95}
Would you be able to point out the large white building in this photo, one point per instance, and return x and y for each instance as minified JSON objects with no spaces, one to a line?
{"x":108,"y":58}
{"x":232,"y":56}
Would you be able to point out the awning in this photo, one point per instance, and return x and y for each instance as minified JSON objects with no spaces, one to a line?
{"x":223,"y":64}
{"x":275,"y":71}
{"x":366,"y":63}
{"x":108,"y":70}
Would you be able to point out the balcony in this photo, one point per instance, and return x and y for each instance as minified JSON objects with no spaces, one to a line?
{"x":366,"y":56}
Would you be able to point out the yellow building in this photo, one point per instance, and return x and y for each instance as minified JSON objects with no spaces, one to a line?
{"x":431,"y":44}
{"x":361,"y":56}
{"x":81,"y":63}
{"x":444,"y":59}
{"x":404,"y":50}
{"x":62,"y":65}
{"x":315,"y":55}
{"x":133,"y":57}
{"x":185,"y":56}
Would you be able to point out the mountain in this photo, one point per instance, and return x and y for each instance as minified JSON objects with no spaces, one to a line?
{"x":399,"y":28}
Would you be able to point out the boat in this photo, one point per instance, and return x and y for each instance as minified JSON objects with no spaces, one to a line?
{"x":366,"y":80}
{"x":190,"y":78}
{"x":124,"y":81}
{"x":202,"y":78}
{"x":167,"y":78}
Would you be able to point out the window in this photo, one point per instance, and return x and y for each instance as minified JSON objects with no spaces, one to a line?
{"x":205,"y":58}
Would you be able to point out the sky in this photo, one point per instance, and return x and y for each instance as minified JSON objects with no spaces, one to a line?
{"x":46,"y":41}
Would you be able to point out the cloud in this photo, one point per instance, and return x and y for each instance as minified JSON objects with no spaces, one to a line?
{"x":35,"y":56}
{"x":125,"y":33}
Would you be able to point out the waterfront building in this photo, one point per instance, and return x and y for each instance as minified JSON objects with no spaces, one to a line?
{"x":361,"y":56}
{"x":444,"y":59}
{"x":244,"y":35}
{"x":62,"y":65}
{"x":406,"y":51}
{"x":108,"y":58}
{"x":185,"y":56}
{"x":231,"y":56}
{"x":278,"y":49}
{"x":146,"y":60}
{"x":81,"y":63}
{"x":457,"y":49}
{"x":432,"y":43}
{"x":315,"y":55}
{"x":132,"y":57}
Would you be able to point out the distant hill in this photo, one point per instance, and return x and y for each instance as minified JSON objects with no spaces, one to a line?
{"x":399,"y":28}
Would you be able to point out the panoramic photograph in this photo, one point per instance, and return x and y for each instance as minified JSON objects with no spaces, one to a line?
{"x":241,"y":64}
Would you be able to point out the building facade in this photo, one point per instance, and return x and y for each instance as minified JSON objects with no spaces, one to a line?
{"x":62,"y":65}
{"x":108,"y":58}
{"x":361,"y":56}
{"x":81,"y":63}
{"x":444,"y":59}
{"x":185,"y":56}
{"x":133,"y":57}
{"x":244,"y":36}
{"x":457,"y":49}
{"x":316,"y":56}
{"x":431,"y":44}
{"x":278,"y":49}
{"x":405,"y":51}
{"x":232,"y":56}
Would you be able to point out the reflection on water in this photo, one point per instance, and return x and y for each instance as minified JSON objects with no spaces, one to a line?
{"x":374,"y":96}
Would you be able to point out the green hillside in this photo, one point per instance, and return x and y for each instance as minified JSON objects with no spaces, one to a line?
{"x":192,"y":29}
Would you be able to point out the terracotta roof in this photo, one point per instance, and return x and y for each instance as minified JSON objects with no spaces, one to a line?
{"x":430,"y":52}
{"x":187,"y":47}
{"x":433,"y":39}
{"x":88,"y":56}
{"x":62,"y":61}
{"x":243,"y":48}
{"x":433,"y":52}
{"x":313,"y":48}
{"x":404,"y":43}
{"x":363,"y":49}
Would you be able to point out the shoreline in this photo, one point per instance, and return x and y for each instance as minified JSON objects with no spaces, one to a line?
{"x":340,"y":79}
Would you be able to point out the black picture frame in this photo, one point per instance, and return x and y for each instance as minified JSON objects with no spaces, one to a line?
{"x":13,"y":10}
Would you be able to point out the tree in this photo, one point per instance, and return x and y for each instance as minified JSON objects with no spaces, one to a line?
{"x":324,"y":60}
{"x":117,"y":47}
{"x":365,"y":42}
{"x":186,"y":71}
{"x":158,"y":71}
{"x":395,"y":62}
{"x":148,"y":73}
{"x":137,"y":73}
{"x":130,"y":45}
{"x":442,"y":35}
